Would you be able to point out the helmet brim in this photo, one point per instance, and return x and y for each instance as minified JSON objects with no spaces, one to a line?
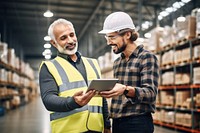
{"x":106,"y":31}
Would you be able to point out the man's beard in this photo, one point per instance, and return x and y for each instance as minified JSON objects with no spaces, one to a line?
{"x":67,"y":51}
{"x":121,"y":49}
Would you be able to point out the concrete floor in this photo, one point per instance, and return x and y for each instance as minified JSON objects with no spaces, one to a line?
{"x":34,"y":118}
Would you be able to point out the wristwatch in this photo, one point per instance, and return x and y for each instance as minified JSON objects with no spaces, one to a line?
{"x":126,"y":91}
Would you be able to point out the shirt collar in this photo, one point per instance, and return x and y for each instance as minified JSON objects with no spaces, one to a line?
{"x":67,"y":57}
{"x":135,"y":52}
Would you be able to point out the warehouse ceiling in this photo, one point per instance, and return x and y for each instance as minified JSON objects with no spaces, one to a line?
{"x":23,"y":26}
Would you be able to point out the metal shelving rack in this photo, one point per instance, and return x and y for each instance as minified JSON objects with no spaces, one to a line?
{"x":193,"y":88}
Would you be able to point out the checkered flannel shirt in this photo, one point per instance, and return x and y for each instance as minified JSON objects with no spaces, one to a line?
{"x":141,"y":71}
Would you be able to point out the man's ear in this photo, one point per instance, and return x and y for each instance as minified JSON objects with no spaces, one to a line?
{"x":53,"y":43}
{"x":128,"y":34}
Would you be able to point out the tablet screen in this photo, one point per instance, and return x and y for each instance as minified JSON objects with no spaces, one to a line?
{"x":102,"y":84}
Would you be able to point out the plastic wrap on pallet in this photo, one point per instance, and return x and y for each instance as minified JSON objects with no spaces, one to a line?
{"x":185,"y":29}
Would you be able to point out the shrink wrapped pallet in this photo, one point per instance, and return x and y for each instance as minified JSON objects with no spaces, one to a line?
{"x":185,"y":54}
{"x":188,"y":103}
{"x":196,"y":78}
{"x":198,"y":23}
{"x":3,"y":91}
{"x":197,"y":52}
{"x":154,"y":40}
{"x":3,"y":75}
{"x":169,"y":117}
{"x":168,"y":58}
{"x":182,"y":78}
{"x":168,"y":78}
{"x":178,"y":56}
{"x":198,"y":98}
{"x":179,"y":118}
{"x":185,"y":29}
{"x":3,"y":52}
{"x":167,"y":37}
{"x":181,"y":96}
{"x":167,"y":98}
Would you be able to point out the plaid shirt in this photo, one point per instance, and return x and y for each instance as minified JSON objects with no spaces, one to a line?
{"x":142,"y":72}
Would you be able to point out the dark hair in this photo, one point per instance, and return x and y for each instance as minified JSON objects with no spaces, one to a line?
{"x":134,"y":34}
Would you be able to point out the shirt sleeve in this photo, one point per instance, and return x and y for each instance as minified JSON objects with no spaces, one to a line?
{"x":149,"y":73}
{"x":49,"y":93}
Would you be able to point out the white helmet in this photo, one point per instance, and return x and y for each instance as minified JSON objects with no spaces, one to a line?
{"x":117,"y":21}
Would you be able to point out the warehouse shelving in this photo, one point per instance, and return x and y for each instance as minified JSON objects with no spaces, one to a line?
{"x":19,"y":87}
{"x":172,"y":89}
{"x":185,"y":65}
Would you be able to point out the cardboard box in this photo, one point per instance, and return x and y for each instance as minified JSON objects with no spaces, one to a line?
{"x":186,"y":29}
{"x":181,"y":96}
{"x":196,"y":75}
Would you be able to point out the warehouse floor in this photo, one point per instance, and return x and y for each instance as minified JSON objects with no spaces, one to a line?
{"x":34,"y":118}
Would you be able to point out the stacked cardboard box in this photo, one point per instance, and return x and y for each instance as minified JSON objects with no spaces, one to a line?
{"x":182,"y":78}
{"x":154,"y":42}
{"x":185,"y":29}
{"x":196,"y":52}
{"x":168,"y":78}
{"x":198,"y":100}
{"x":198,"y":23}
{"x":3,"y":52}
{"x":167,"y":37}
{"x":185,"y":119}
{"x":181,"y":97}
{"x":167,"y":98}
{"x":196,"y":78}
{"x":168,"y":58}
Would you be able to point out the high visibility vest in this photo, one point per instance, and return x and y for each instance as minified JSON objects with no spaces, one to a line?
{"x":70,"y":81}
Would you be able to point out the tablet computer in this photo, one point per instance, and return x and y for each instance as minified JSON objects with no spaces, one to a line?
{"x":102,"y":84}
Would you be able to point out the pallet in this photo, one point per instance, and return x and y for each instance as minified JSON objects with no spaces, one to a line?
{"x":184,"y":40}
{"x":167,"y":64}
{"x":168,"y":46}
{"x":196,"y":58}
{"x":168,"y":105}
{"x":197,"y":105}
{"x":182,"y":62}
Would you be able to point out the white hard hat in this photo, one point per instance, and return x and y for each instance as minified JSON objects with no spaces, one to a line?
{"x":117,"y":21}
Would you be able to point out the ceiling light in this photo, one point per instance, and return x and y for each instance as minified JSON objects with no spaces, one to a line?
{"x":47,"y":52}
{"x":169,"y":9}
{"x":47,"y":57}
{"x":160,"y":17}
{"x":47,"y":45}
{"x":181,"y":19}
{"x":185,"y":1}
{"x":164,"y":13}
{"x":177,"y":5}
{"x":47,"y":38}
{"x":147,"y":35}
{"x":48,"y":14}
{"x":181,"y":3}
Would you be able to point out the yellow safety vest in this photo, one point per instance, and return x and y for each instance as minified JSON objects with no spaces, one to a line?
{"x":69,"y":81}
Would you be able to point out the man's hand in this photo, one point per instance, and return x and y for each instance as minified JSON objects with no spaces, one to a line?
{"x":116,"y":91}
{"x":83,"y":98}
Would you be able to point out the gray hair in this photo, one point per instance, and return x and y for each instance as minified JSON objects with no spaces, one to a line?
{"x":56,"y":22}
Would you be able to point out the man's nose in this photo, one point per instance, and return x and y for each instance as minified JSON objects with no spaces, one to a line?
{"x":70,"y":39}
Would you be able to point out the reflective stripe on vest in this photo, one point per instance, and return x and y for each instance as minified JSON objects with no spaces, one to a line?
{"x":93,"y":109}
{"x":66,"y":84}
